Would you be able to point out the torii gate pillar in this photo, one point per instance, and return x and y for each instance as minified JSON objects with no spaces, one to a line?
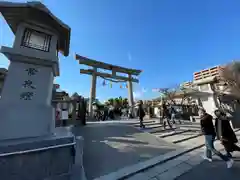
{"x":92,"y":92}
{"x":130,"y":94}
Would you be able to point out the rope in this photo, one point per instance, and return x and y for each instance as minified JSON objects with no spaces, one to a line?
{"x":115,"y":81}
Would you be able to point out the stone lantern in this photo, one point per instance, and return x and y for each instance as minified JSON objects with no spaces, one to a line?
{"x":27,"y":126}
{"x":39,"y":35}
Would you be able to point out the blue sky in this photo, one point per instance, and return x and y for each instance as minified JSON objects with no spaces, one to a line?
{"x":167,"y":39}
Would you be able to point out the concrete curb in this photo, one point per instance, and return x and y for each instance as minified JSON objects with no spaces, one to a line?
{"x":195,"y":159}
{"x":133,"y":169}
{"x":78,"y":168}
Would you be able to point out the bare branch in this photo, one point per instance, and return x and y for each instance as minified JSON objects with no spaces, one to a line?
{"x":231,"y":75}
{"x":168,"y":94}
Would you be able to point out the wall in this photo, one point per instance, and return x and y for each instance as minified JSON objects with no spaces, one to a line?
{"x":54,"y":164}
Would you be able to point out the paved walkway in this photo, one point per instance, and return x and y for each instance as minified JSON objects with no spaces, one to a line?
{"x":215,"y":170}
{"x":116,"y":149}
{"x":192,"y":166}
{"x":110,"y":147}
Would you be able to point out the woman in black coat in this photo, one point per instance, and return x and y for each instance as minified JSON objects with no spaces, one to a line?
{"x":141,"y":113}
{"x":225,"y":133}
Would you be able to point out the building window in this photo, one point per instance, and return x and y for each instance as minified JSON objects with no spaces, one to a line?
{"x":36,"y":40}
{"x":204,"y":87}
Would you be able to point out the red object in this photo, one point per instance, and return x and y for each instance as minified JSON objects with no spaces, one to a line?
{"x":57,"y":86}
{"x":57,"y":113}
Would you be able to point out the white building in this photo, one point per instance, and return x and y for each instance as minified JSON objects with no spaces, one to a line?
{"x":212,"y":93}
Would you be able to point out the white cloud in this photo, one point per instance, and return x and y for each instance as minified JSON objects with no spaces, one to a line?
{"x":129,"y":56}
{"x":144,"y":90}
{"x":137,"y":94}
{"x":140,"y":93}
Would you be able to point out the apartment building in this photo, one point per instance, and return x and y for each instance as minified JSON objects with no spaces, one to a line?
{"x":205,"y":82}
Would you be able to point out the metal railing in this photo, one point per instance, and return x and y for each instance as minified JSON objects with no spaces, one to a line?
{"x":37,"y":149}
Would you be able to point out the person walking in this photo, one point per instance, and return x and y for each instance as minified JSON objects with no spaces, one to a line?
{"x":141,"y":114}
{"x":105,"y":113}
{"x":173,"y":115}
{"x":166,"y":116}
{"x":110,"y":112}
{"x":208,"y":130}
{"x":225,"y":133}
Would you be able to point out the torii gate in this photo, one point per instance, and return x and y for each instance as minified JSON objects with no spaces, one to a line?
{"x":115,"y":69}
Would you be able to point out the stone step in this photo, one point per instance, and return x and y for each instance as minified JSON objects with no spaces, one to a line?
{"x":197,"y":141}
{"x":147,"y":124}
{"x":184,"y":136}
{"x":153,"y":126}
{"x":194,"y":127}
{"x":156,"y":129}
{"x":194,"y":142}
{"x":171,"y":133}
{"x":136,"y":123}
{"x":160,"y":129}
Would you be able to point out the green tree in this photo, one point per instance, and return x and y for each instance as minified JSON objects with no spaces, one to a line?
{"x":118,"y":102}
{"x":110,"y":101}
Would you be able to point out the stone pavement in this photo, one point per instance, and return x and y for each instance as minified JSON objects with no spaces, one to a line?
{"x":191,"y":165}
{"x":116,"y":150}
{"x":135,"y":161}
{"x":215,"y":170}
{"x":110,"y":147}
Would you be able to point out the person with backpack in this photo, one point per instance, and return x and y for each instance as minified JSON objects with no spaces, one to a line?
{"x":141,"y":114}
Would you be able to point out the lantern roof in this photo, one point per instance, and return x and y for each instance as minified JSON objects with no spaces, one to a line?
{"x":15,"y":13}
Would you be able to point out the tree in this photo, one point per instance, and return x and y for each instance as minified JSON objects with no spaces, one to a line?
{"x":168,"y":94}
{"x":230,"y":74}
{"x":117,"y":102}
{"x":187,"y":94}
{"x":178,"y":92}
{"x":110,"y":101}
{"x":125,"y":102}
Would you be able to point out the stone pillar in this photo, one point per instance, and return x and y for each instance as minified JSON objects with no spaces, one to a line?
{"x":27,"y":124}
{"x":25,"y":105}
{"x":130,"y":94}
{"x":92,"y":92}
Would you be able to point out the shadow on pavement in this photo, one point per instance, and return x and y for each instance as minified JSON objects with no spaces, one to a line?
{"x":108,"y":148}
